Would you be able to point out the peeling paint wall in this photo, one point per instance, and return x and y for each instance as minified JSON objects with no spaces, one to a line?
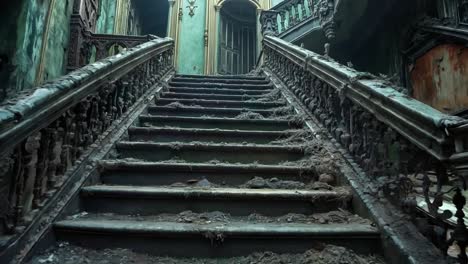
{"x":440,"y":78}
{"x":35,"y":41}
{"x":30,"y":30}
{"x":57,"y":40}
{"x":106,"y":21}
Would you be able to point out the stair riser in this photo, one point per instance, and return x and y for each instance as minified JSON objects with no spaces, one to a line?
{"x":222,"y":85}
{"x":126,"y":205}
{"x":200,"y":246}
{"x":171,"y":95}
{"x":157,"y":178}
{"x":218,"y":77}
{"x":219,"y":104}
{"x":219,"y":81}
{"x":172,"y":136}
{"x":205,"y":155}
{"x":218,"y":91}
{"x":210,"y":124}
{"x":194,"y":112}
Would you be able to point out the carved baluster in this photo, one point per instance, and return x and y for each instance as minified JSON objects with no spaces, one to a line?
{"x":311,"y":7}
{"x":7,"y":185}
{"x":40,"y":185}
{"x":93,"y":129}
{"x":292,"y":15}
{"x":460,"y":235}
{"x":29,"y":173}
{"x":87,"y":124}
{"x":303,"y":9}
{"x":112,"y":110}
{"x":55,"y":148}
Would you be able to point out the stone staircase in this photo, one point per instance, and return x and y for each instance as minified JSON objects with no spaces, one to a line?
{"x":218,"y":167}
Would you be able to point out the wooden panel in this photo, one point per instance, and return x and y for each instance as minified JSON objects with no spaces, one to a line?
{"x":440,"y":78}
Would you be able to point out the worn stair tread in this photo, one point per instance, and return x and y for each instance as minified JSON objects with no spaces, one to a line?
{"x":230,"y":229}
{"x":214,"y":110}
{"x":221,"y":81}
{"x":155,"y":192}
{"x":199,"y":167}
{"x":173,"y":134}
{"x":211,"y":146}
{"x":242,"y":98}
{"x":215,"y":77}
{"x":187,"y":131}
{"x":217,"y":122}
{"x":233,"y":86}
{"x":219,"y":103}
{"x":217,"y":119}
{"x":246,"y":92}
{"x":140,"y":173}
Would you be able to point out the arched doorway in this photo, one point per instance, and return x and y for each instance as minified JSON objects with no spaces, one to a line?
{"x":237,"y":37}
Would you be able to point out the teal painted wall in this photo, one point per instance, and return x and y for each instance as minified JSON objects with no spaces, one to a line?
{"x":106,"y":21}
{"x":57,"y":41}
{"x":191,"y":45}
{"x":30,"y":32}
{"x":21,"y":41}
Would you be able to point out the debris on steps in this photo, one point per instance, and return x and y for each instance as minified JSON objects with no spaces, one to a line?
{"x":193,"y":172}
{"x":65,"y":253}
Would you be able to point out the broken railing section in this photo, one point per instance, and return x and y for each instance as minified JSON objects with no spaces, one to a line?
{"x":389,"y":135}
{"x":43,"y":134}
{"x":290,"y":13}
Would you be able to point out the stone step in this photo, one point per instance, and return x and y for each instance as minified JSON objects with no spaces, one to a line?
{"x":191,"y":111}
{"x":161,"y":134}
{"x":144,"y":200}
{"x":220,"y":81}
{"x":208,"y":96}
{"x":217,"y":77}
{"x":217,"y":123}
{"x":247,"y":92}
{"x":229,"y":153}
{"x":235,"y":86}
{"x":139,"y":173}
{"x":219,"y":103}
{"x":215,"y":239}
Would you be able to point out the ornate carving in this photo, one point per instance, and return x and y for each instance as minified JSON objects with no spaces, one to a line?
{"x":269,"y":22}
{"x":191,"y":7}
{"x":321,"y":10}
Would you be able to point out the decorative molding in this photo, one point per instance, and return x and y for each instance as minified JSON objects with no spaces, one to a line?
{"x":269,"y":22}
{"x":180,"y":15}
{"x":192,"y":7}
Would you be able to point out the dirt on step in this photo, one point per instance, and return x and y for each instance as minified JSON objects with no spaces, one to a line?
{"x":65,"y":253}
{"x":339,"y":216}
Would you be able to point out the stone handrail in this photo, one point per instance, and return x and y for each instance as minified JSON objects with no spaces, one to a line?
{"x":43,"y":132}
{"x":422,"y":125}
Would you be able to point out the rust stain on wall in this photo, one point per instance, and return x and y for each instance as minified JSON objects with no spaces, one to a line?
{"x":440,"y":78}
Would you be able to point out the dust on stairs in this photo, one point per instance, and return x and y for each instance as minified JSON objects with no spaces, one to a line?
{"x":219,"y":169}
